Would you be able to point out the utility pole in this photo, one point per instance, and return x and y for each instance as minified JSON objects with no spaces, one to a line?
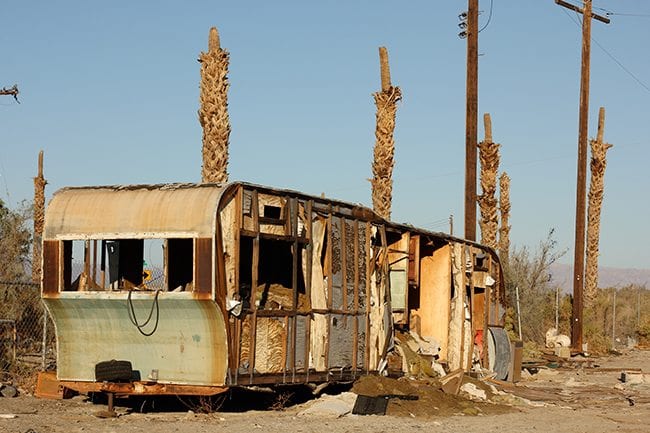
{"x":13,"y":91}
{"x":579,"y":253}
{"x":471,"y":116}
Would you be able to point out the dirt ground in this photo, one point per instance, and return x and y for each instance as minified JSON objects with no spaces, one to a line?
{"x":552,"y":400}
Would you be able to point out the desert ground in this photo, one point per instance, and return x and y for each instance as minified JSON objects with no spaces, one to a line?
{"x":564,"y":399}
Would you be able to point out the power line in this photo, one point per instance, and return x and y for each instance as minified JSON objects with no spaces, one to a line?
{"x":489,"y":18}
{"x":628,"y":15}
{"x":611,"y":56}
{"x":608,"y":12}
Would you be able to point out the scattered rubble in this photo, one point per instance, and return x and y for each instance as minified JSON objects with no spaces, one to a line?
{"x":8,"y":391}
{"x":331,"y":406}
{"x":473,"y":392}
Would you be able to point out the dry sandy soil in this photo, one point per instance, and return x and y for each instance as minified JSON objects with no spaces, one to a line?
{"x":553,"y":400}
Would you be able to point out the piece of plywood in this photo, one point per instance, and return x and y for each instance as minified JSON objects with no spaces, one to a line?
{"x":398,"y":262}
{"x":478,"y":310}
{"x":457,"y":317}
{"x":377,"y":304}
{"x":229,"y":231}
{"x":318,"y":293}
{"x":435,"y":297}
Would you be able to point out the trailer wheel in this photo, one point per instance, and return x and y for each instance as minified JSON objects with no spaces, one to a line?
{"x":113,"y":371}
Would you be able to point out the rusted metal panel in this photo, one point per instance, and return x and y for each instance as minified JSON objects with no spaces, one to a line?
{"x":66,"y":267}
{"x":50,"y":267}
{"x":188,"y":346}
{"x":47,"y":386}
{"x":142,"y":388}
{"x":139,"y":211}
{"x":203,"y":258}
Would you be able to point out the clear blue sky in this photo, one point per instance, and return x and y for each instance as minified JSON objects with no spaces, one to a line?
{"x":110,"y":91}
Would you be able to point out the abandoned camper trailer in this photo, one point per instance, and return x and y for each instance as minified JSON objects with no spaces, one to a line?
{"x":194,"y":288}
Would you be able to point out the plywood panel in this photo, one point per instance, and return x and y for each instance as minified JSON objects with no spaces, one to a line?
{"x":318,"y":292}
{"x":478,"y":309}
{"x":50,"y":267}
{"x":457,"y":318}
{"x":435,"y":296}
{"x":229,"y":230}
{"x":398,"y":259}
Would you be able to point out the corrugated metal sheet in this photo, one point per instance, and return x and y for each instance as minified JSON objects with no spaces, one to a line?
{"x":140,"y":211}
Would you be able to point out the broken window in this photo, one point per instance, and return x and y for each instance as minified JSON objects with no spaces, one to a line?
{"x":275,"y":275}
{"x":127,"y":264}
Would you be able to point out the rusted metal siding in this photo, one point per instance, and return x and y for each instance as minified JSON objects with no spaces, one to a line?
{"x":203,"y":259}
{"x":135,"y":211}
{"x":50,"y":267}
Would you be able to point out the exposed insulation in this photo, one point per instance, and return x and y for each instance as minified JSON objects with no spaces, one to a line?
{"x":454,"y":349}
{"x":213,"y":113}
{"x":379,"y":325}
{"x":229,"y":231}
{"x":278,"y":297}
{"x":269,"y":347}
{"x":318,"y":294}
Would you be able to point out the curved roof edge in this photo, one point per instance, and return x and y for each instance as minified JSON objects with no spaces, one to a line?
{"x":182,"y":208}
{"x":178,"y":209}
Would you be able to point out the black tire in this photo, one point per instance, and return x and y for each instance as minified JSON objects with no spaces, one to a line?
{"x":113,"y":371}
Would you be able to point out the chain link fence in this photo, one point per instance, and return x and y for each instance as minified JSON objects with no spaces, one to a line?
{"x":27,"y":339}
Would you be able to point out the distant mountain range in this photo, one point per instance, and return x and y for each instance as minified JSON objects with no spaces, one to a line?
{"x":562,"y":275}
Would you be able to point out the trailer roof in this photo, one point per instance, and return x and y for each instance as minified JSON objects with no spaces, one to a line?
{"x":138,"y":211}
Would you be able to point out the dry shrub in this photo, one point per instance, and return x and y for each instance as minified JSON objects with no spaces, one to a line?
{"x":530,"y":273}
{"x":632,"y":318}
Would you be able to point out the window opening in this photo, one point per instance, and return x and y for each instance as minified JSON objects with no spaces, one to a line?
{"x":275,"y":271}
{"x":126,"y":264}
{"x":274,"y":212}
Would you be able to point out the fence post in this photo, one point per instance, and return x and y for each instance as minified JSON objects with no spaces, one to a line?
{"x":44,"y":348}
{"x":638,"y":309}
{"x":614,"y":322}
{"x":518,"y":312}
{"x":557,"y":309}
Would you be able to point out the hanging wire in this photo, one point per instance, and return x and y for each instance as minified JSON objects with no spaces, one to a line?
{"x":134,"y":319}
{"x":489,"y":17}
{"x":608,"y":12}
{"x":629,"y":15}
{"x":610,"y":55}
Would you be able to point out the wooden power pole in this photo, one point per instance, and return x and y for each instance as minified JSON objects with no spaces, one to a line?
{"x":581,"y":189}
{"x":471,"y":119}
{"x":12,"y":91}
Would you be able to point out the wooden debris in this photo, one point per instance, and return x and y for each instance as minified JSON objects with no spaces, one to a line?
{"x":451,"y":382}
